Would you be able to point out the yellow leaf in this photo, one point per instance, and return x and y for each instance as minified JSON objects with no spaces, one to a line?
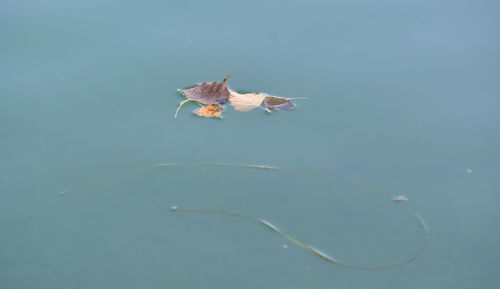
{"x":211,"y":110}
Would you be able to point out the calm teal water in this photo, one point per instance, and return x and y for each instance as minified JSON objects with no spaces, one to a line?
{"x":404,"y":95}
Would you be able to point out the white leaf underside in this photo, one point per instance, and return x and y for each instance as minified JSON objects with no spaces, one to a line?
{"x":246,"y":102}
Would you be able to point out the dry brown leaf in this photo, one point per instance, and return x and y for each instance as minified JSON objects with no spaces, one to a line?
{"x":216,"y":94}
{"x":278,"y":103}
{"x":211,"y":110}
{"x":246,"y":102}
{"x":208,"y":92}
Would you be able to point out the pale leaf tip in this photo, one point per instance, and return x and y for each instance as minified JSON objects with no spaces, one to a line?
{"x":400,"y":199}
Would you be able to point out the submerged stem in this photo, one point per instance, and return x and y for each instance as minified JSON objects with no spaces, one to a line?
{"x":307,"y":248}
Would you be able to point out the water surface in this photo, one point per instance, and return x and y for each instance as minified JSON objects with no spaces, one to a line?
{"x":403,"y":95}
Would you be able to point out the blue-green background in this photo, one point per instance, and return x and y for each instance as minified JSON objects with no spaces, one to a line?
{"x":403,"y":95}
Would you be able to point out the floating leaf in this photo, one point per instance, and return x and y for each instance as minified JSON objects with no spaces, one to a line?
{"x":246,"y":102}
{"x":278,"y":103}
{"x":206,"y":93}
{"x":217,"y":94}
{"x":211,"y":110}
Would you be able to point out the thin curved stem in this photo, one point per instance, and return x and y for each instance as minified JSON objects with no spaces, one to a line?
{"x":307,"y":248}
{"x":180,"y":105}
